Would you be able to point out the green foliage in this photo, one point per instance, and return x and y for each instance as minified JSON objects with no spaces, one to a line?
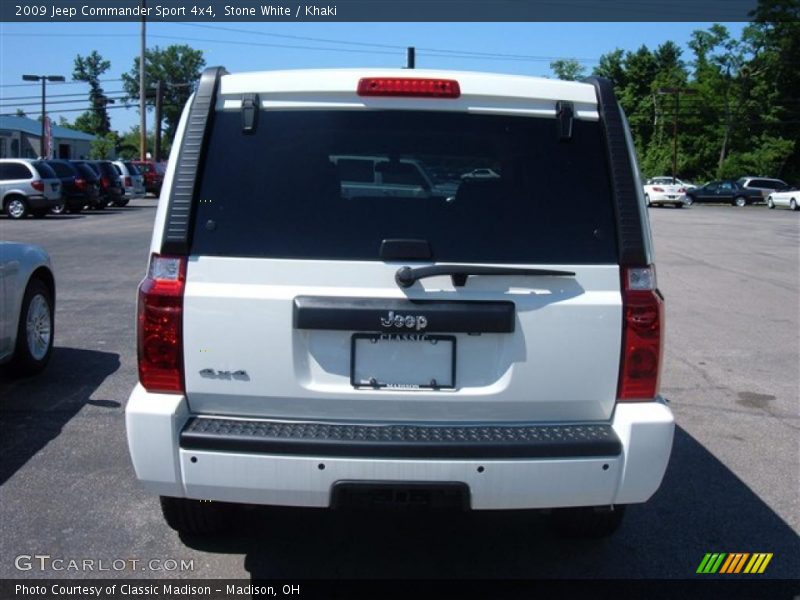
{"x":90,"y":69}
{"x":103,"y":147}
{"x":128,"y":146}
{"x":568,"y":69}
{"x":738,"y":110}
{"x":178,"y":67}
{"x":20,"y":113}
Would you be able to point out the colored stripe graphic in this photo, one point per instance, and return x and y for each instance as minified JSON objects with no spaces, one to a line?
{"x":734,"y":563}
{"x":758,"y":563}
{"x":711,"y":562}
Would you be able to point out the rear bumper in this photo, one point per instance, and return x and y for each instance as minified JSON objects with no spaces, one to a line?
{"x":176,"y":454}
{"x":39,"y":202}
{"x":657,"y":198}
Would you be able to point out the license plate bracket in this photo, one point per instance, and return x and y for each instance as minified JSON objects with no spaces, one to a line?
{"x":399,"y":361}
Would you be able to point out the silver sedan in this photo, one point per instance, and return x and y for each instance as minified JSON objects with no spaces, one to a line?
{"x":27,"y":308}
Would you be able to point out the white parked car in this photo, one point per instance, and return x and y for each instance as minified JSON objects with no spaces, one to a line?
{"x":496,"y":350}
{"x":659,"y":191}
{"x":28,"y":294}
{"x":788,"y":198}
{"x":28,"y":187}
{"x":132,"y":179}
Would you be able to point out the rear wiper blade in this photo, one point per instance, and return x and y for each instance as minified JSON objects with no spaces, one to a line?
{"x":406,"y":276}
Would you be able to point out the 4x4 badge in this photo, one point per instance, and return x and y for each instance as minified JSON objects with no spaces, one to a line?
{"x":410,"y":321}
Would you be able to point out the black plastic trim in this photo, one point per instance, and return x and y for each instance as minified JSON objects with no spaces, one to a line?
{"x":476,"y":441}
{"x":371,"y":314}
{"x":177,"y":231}
{"x":630,"y":237}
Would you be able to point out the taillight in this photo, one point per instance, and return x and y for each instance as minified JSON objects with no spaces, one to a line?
{"x":408,"y":86}
{"x":642,"y":334}
{"x":105,"y":181}
{"x":681,"y":191}
{"x":38,"y":185}
{"x":80,"y":184}
{"x":160,"y":325}
{"x":658,"y":189}
{"x":128,"y":182}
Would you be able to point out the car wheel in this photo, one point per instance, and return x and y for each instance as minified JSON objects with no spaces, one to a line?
{"x":196,"y":516}
{"x":647,"y":200}
{"x":678,"y":205}
{"x":123,"y":202}
{"x":689,"y":200}
{"x":101,"y":205}
{"x":588,"y":521}
{"x":58,"y":209}
{"x":16,"y":207}
{"x":75,"y":211}
{"x":35,"y":330}
{"x":793,"y":204}
{"x":740,"y":201}
{"x":39,"y":213}
{"x":770,"y":203}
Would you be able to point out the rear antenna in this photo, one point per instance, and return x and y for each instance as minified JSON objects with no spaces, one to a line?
{"x":410,"y":57}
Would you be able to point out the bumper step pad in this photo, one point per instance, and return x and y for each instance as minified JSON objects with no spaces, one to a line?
{"x":465,"y":441}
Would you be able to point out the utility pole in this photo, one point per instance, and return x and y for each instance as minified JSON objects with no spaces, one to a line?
{"x":44,"y":79}
{"x":142,"y":102}
{"x":675,"y":91}
{"x":157,"y":124}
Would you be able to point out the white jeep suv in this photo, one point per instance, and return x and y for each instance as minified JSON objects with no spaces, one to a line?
{"x":498,"y":348}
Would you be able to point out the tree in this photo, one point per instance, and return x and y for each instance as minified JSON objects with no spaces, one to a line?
{"x":178,"y":67}
{"x":568,"y":69}
{"x":103,"y":147}
{"x":90,"y":69}
{"x":128,"y":146}
{"x":20,"y":113}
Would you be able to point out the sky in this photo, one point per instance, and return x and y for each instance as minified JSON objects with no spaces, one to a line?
{"x":51,"y":48}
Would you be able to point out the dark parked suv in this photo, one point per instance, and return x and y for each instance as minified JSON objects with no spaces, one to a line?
{"x":727,"y":191}
{"x":79,"y":184}
{"x":111,"y":188}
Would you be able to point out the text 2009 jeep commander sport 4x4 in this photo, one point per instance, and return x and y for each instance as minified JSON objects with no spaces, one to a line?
{"x":496,"y":345}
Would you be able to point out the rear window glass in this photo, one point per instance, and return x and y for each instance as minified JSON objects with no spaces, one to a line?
{"x":87,"y":172}
{"x":131,"y":168}
{"x":477,"y":188}
{"x":44,"y":170}
{"x":62,"y":169}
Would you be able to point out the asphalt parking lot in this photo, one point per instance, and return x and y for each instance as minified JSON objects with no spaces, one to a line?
{"x":731,"y":278}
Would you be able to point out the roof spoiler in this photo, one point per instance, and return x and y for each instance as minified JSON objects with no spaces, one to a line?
{"x":180,"y":206}
{"x":630,"y":237}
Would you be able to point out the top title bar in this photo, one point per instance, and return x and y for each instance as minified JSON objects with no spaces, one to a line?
{"x":376,"y":10}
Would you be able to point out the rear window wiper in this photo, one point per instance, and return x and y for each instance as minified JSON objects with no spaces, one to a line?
{"x":406,"y":276}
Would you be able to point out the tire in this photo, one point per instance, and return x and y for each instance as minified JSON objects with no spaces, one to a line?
{"x":35,"y":331}
{"x":40,"y":213}
{"x":59,"y":209}
{"x":740,"y":201}
{"x":770,"y":203}
{"x":793,"y":204}
{"x":75,"y":211}
{"x":101,"y":205}
{"x":647,"y":200}
{"x":123,"y":202}
{"x":679,"y":205}
{"x":16,"y":207}
{"x":689,"y":200}
{"x":588,"y":521}
{"x":196,"y":517}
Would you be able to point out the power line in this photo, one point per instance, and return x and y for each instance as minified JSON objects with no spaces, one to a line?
{"x":467,"y":53}
{"x":9,"y":85}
